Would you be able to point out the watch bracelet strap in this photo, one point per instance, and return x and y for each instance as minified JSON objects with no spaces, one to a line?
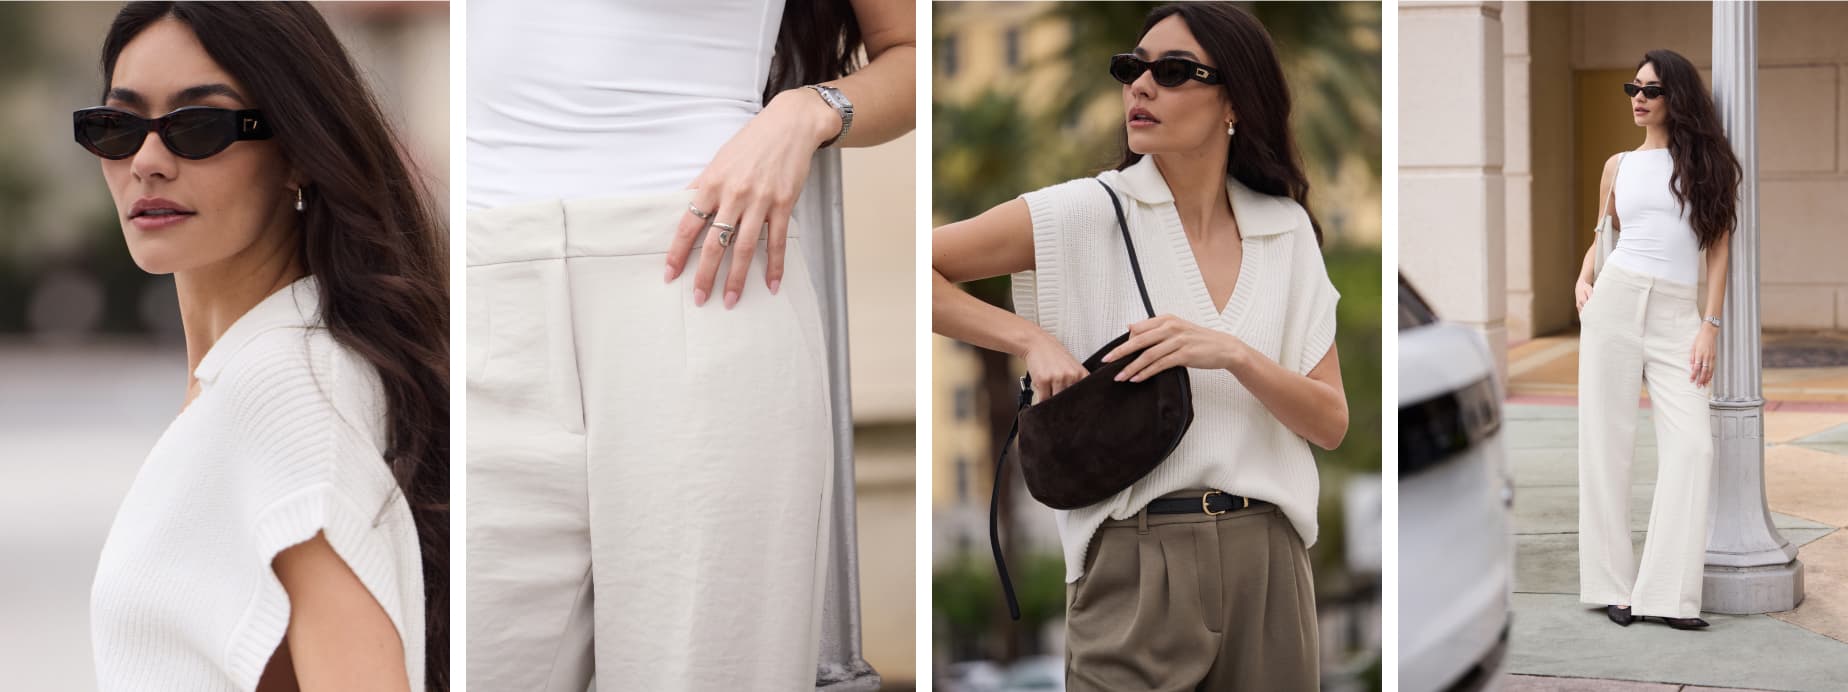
{"x":845,"y":113}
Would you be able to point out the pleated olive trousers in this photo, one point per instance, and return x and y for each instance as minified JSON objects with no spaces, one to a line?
{"x":1635,"y":329}
{"x":648,"y":481}
{"x":1186,"y":602}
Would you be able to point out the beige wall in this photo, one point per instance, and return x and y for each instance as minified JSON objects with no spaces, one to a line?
{"x":879,"y":186}
{"x":1452,"y":217}
{"x":1540,"y":127}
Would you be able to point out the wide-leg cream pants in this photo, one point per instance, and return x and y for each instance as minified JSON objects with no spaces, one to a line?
{"x":648,"y":481}
{"x":1639,"y":328}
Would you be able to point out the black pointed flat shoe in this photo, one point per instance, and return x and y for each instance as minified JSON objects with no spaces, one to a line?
{"x":1619,"y":615}
{"x":1683,"y":623}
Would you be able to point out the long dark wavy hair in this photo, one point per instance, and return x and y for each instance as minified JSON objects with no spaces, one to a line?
{"x":1263,"y":154}
{"x":369,"y":234}
{"x":819,"y":40}
{"x":1706,"y":177}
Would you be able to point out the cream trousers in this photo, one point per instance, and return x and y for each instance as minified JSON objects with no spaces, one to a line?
{"x":648,"y":481}
{"x":1639,"y":328}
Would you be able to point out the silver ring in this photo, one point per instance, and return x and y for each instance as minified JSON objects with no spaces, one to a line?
{"x":703,"y":216}
{"x":726,"y":233}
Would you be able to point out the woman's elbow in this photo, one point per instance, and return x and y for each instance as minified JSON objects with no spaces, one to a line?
{"x":1332,"y":431}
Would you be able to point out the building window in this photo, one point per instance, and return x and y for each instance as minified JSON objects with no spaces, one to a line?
{"x":1013,"y":46}
{"x":962,"y":479}
{"x":963,"y":402}
{"x":948,"y":48}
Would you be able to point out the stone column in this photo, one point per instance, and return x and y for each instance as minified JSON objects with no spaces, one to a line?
{"x":1452,"y":243}
{"x":1751,"y":568}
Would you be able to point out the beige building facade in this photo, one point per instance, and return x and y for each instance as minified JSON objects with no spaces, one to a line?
{"x":1509,"y":110}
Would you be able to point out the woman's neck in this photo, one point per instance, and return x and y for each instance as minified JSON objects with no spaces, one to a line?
{"x":214,"y":296}
{"x":1655,"y":137}
{"x":1198,"y":183}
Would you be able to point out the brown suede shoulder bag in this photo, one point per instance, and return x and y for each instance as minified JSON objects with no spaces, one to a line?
{"x":1096,"y":437}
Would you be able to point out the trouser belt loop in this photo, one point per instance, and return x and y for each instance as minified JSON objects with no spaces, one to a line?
{"x":1142,"y":520}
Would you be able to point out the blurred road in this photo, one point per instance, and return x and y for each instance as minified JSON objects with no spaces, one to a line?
{"x":75,"y":423}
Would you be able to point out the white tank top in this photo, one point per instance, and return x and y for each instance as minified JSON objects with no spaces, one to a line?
{"x":1657,"y":239}
{"x":594,"y":98}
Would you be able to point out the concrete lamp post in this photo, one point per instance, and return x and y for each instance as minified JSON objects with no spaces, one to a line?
{"x":1751,"y":568}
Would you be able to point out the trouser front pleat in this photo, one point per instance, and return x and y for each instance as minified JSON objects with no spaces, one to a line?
{"x":648,"y":481}
{"x":1185,"y":602}
{"x":1640,"y":329}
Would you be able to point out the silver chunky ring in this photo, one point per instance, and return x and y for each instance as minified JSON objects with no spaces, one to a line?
{"x":726,"y":233}
{"x":703,"y":216}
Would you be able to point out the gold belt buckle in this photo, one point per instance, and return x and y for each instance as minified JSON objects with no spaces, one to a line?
{"x":1204,"y":507}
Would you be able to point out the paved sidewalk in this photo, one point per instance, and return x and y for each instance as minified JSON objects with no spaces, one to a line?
{"x":1561,"y":644}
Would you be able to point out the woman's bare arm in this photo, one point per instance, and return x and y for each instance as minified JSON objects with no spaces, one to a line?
{"x":998,"y":241}
{"x":339,"y":638}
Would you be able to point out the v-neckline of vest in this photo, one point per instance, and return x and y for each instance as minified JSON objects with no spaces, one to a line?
{"x":1196,"y":280}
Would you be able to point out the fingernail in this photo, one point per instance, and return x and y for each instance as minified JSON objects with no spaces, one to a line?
{"x":699,"y":297}
{"x":731,"y":299}
{"x":774,"y":285}
{"x":668,"y":276}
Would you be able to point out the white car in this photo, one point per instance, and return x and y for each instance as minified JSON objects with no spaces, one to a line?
{"x":1456,"y":542}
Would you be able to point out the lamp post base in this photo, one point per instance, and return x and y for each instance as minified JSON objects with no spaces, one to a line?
{"x":1752,"y":590}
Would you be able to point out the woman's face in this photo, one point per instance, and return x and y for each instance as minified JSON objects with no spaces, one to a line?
{"x":1648,"y":112}
{"x":234,"y":203}
{"x":1185,"y":118}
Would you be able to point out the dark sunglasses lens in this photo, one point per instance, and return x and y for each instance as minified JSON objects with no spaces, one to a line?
{"x":1652,"y":91}
{"x":112,"y":135}
{"x":196,"y":134}
{"x":1170,"y":72}
{"x":1126,"y":69}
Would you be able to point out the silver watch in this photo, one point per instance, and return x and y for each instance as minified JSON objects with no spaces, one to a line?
{"x":1715,"y":321}
{"x":841,"y":105}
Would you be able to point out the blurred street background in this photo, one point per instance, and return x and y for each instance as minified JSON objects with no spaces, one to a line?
{"x":92,"y":365}
{"x":1022,"y":100}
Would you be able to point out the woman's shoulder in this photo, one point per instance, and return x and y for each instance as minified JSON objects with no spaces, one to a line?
{"x":302,"y":367}
{"x":302,"y":402}
{"x":1079,"y":202}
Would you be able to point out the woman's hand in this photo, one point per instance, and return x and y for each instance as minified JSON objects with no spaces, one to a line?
{"x":1171,"y":341}
{"x":751,"y":185}
{"x":1583,"y":292}
{"x":1051,"y":367}
{"x":1700,"y":361}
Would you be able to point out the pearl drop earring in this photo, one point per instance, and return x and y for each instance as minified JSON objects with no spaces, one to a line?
{"x":1230,"y":129}
{"x":299,"y":205}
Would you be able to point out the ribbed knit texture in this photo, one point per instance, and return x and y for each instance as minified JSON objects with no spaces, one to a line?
{"x":285,"y":439}
{"x":1083,"y":292}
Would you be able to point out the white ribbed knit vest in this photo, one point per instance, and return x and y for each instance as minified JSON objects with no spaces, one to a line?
{"x":284,"y":439}
{"x":1083,"y":292}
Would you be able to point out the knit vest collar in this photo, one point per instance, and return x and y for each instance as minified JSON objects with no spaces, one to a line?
{"x":296,"y":305}
{"x":1258,"y":214}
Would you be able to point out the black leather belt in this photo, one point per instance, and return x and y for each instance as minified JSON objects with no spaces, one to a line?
{"x":1209,"y":502}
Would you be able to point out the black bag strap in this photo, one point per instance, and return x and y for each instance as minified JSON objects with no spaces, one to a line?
{"x":994,"y":501}
{"x":1026,"y":398}
{"x":1130,"y":245}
